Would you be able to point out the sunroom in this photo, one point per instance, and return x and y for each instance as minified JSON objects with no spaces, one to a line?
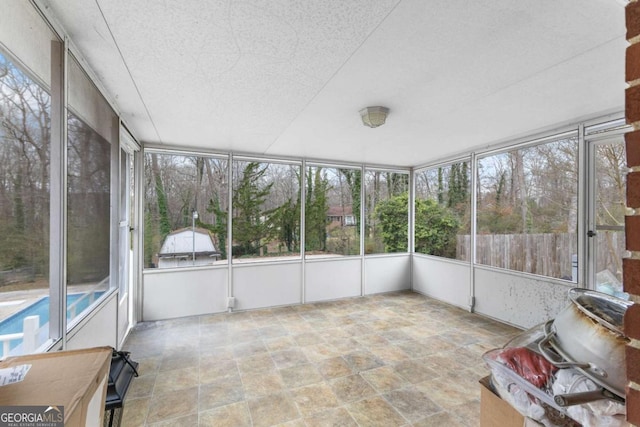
{"x":179,"y":160}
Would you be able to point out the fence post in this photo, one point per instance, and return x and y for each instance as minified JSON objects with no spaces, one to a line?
{"x":30,"y":327}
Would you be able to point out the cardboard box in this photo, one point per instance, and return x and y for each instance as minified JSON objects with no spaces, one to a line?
{"x":74,"y":379}
{"x":495,"y":412}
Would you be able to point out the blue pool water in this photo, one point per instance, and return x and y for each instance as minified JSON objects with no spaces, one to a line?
{"x":13,"y":323}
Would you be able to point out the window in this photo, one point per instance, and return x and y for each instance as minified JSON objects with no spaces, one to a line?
{"x":25,"y":181}
{"x":331,"y":207}
{"x":387,"y":212}
{"x":527,"y":208}
{"x":90,"y":130}
{"x":266,"y":210}
{"x":185,"y":212}
{"x":443,"y":211}
{"x":24,"y":205}
{"x":607,"y":218}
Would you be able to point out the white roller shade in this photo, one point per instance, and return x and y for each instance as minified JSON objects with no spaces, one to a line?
{"x":87,"y":103}
{"x":26,"y":35}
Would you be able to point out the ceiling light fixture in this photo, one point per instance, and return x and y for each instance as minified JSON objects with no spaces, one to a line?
{"x":374,"y":116}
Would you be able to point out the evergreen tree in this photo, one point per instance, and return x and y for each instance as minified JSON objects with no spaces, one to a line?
{"x":435,"y":229}
{"x":286,"y":221}
{"x":397,"y":183}
{"x":219,"y":227}
{"x":458,"y":193}
{"x":316,"y":211}
{"x":452,"y":198}
{"x":163,"y":210}
{"x":250,"y":223}
{"x":354,"y":181}
{"x":464,"y":179}
{"x":150,"y":244}
{"x":394,"y":222}
{"x":440,"y":187}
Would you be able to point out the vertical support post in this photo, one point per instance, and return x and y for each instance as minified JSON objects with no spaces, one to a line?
{"x":303,"y":198}
{"x":472,"y":243}
{"x":194,"y":216}
{"x":58,"y":193}
{"x":363,"y":287}
{"x":412,"y":223}
{"x":30,"y":326}
{"x":114,"y":219}
{"x":586,"y":177}
{"x":138,"y":237}
{"x":229,"y":227}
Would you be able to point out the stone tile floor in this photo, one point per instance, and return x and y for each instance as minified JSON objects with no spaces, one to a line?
{"x":398,"y":359}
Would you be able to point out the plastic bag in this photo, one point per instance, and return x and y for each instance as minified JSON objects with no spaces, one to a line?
{"x":599,"y":413}
{"x":529,"y":365}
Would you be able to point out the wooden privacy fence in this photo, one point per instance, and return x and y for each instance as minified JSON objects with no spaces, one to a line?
{"x":544,"y":254}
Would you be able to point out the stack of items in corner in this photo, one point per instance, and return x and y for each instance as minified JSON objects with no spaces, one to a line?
{"x":571,"y":370}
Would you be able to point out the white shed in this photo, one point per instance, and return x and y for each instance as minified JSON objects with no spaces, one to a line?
{"x":187,"y":246}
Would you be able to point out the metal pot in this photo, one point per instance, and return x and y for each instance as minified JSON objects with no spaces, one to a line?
{"x":588,"y":336}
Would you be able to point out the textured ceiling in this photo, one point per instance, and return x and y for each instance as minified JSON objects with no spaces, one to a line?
{"x":285,"y":77}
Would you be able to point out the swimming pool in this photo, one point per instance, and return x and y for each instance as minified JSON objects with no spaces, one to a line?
{"x":13,"y":323}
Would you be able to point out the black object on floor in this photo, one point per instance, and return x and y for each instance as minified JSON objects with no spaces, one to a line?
{"x":122,"y":371}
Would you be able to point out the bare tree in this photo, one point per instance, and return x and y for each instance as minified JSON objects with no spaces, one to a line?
{"x":24,"y":176}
